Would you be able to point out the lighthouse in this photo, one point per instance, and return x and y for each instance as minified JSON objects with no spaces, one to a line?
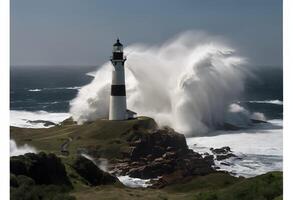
{"x":118,"y":110}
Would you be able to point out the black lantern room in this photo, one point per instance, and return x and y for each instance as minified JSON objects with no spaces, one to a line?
{"x":117,"y":51}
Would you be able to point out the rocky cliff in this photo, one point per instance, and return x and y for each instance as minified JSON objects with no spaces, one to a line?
{"x":161,"y":153}
{"x":137,"y":148}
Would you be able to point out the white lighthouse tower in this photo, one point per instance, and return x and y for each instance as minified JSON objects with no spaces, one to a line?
{"x":118,"y":110}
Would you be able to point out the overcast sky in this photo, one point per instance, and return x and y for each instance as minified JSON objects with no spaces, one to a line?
{"x":81,"y":32}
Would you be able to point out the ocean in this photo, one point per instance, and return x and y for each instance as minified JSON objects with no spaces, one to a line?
{"x":46,"y":88}
{"x":45,"y":92}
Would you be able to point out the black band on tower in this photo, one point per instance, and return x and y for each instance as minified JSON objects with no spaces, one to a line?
{"x":117,"y":56}
{"x":118,"y":90}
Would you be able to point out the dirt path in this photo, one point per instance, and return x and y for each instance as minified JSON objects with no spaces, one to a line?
{"x":64,"y":147}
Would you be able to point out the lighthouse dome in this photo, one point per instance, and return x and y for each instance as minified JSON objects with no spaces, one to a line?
{"x":118,"y":44}
{"x":117,"y":47}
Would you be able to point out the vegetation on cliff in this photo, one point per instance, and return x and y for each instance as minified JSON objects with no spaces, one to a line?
{"x":134,"y":147}
{"x":38,"y":176}
{"x":103,"y":138}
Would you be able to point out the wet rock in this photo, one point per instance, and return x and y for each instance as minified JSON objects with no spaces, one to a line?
{"x":169,"y":155}
{"x":223,"y":153}
{"x":91,"y":173}
{"x":225,"y":156}
{"x":162,"y":152}
{"x":168,"y":179}
{"x":155,"y":143}
{"x":209,"y":159}
{"x":152,"y":170}
{"x":222,"y":150}
{"x":44,"y":122}
{"x":257,"y":121}
{"x":225,"y":163}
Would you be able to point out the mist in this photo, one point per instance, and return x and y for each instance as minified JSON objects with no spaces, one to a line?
{"x":187,"y":83}
{"x":101,"y":163}
{"x":20,"y":150}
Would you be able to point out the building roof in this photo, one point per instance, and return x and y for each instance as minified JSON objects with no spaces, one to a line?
{"x":118,"y":43}
{"x":131,"y":112}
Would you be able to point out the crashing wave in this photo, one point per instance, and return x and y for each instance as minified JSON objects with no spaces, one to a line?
{"x":186,"y":83}
{"x":20,"y":150}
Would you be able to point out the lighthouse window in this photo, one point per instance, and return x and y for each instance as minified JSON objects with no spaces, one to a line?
{"x":117,"y":55}
{"x":117,"y":48}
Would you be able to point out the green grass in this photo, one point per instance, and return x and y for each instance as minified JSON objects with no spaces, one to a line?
{"x":110,"y":138}
{"x":201,"y":183}
{"x":264,"y":187}
{"x":218,"y":186}
{"x":107,"y":138}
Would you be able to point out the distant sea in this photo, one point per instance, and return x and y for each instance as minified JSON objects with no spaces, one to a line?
{"x":50,"y":88}
{"x":44,"y":92}
{"x":46,"y":88}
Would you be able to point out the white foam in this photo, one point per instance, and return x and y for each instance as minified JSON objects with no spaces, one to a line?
{"x":22,"y":118}
{"x":134,"y":182}
{"x":64,"y":88}
{"x":34,"y":90}
{"x":264,"y":142}
{"x":20,"y":150}
{"x":251,"y":165}
{"x":56,"y":88}
{"x":261,"y":150}
{"x":91,"y":74}
{"x":70,"y":88}
{"x":278,"y":102}
{"x":277,"y":122}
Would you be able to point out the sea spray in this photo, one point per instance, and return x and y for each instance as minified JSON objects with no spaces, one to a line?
{"x":186,"y":83}
{"x":135,"y":182}
{"x":20,"y":150}
{"x":101,"y":163}
{"x":128,"y":181}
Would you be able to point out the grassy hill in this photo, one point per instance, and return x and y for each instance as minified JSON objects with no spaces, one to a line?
{"x":218,"y":186}
{"x":106,"y":138}
{"x":110,"y":139}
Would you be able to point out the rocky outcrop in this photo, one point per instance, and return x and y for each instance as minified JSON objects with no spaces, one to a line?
{"x":91,"y":173}
{"x":44,"y":122}
{"x":257,"y":121}
{"x":155,"y":143}
{"x":161,"y":152}
{"x":222,"y":153}
{"x":222,"y":150}
{"x":136,"y":147}
{"x":42,"y":168}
